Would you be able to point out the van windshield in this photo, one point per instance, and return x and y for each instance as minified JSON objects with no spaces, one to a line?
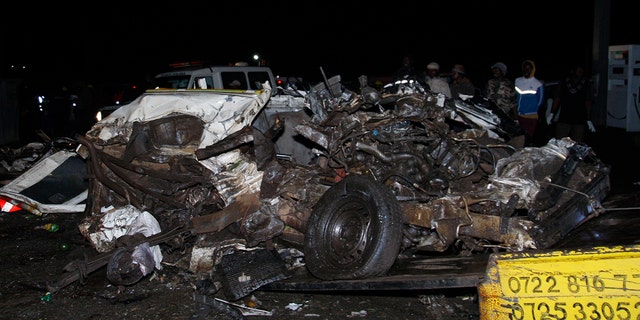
{"x":171,"y":82}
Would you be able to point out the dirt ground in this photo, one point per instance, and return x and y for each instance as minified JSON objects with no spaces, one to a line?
{"x":33,"y":257}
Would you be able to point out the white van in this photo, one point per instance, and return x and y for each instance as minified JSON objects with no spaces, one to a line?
{"x":189,"y":76}
{"x":236,"y":77}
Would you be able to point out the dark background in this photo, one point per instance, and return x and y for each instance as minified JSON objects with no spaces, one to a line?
{"x":111,"y":41}
{"x":106,"y":52}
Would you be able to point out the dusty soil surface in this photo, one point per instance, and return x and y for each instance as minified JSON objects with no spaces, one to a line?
{"x":33,"y":257}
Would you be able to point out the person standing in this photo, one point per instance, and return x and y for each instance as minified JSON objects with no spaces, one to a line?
{"x":529,"y":98}
{"x":406,"y":71}
{"x":574,"y":101}
{"x":501,"y":90}
{"x":435,"y":82}
{"x":461,"y":85}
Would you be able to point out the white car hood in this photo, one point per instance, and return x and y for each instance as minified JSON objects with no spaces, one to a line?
{"x":223,"y":111}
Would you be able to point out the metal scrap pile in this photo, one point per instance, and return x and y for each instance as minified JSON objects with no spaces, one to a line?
{"x":352,"y":178}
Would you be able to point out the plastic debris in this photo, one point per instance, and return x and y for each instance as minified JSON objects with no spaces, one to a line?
{"x":51,"y":227}
{"x":7,"y":206}
{"x":246,"y":311}
{"x":361,"y":313}
{"x":293,"y":306}
{"x":46,"y":297}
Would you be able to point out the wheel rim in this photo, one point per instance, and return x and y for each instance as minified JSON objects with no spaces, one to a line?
{"x":349,"y":232}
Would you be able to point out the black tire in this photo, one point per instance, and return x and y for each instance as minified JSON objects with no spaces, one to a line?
{"x":354,"y":231}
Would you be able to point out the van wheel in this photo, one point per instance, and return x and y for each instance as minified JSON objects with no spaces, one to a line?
{"x":354,"y":231}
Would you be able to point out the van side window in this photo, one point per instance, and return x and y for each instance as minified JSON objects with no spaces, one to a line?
{"x":172,"y":82}
{"x":257,"y":78}
{"x":203,"y":83}
{"x":234,"y":80}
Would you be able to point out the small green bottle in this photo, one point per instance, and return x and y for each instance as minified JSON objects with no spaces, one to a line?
{"x":51,"y":227}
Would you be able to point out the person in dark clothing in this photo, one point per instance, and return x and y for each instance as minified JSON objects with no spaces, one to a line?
{"x":573,"y":102}
{"x":461,"y":85}
{"x":407,"y":71}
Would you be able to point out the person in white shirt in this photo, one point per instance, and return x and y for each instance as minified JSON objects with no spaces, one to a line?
{"x":435,"y":82}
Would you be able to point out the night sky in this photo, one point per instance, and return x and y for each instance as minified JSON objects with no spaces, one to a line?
{"x":110,"y":42}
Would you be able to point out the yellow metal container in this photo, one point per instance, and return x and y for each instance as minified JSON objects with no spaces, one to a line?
{"x":587,"y":284}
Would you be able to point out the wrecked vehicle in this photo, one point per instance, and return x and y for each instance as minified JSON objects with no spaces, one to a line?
{"x":351,"y":178}
{"x":14,"y":161}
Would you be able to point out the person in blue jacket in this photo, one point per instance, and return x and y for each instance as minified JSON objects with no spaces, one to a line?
{"x":529,"y":96}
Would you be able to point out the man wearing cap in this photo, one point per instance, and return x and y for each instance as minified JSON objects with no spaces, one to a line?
{"x":501,"y":90}
{"x":435,"y":82}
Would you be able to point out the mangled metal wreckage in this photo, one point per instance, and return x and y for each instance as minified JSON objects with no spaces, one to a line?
{"x":351,"y":178}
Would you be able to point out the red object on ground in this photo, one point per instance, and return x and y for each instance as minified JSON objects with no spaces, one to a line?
{"x":7,"y":206}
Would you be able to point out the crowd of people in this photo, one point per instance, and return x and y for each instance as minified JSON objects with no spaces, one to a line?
{"x":565,"y":112}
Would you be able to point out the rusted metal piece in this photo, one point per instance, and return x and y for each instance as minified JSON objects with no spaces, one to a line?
{"x":407,"y":274}
{"x":219,"y":220}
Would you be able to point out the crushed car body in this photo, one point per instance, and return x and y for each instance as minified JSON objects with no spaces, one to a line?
{"x":351,"y":178}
